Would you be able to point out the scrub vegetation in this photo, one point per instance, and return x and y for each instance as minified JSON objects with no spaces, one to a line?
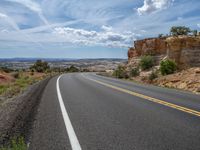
{"x":16,"y":144}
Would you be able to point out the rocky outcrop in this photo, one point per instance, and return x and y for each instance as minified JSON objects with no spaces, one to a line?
{"x":188,"y":79}
{"x":184,"y":50}
{"x":151,"y":46}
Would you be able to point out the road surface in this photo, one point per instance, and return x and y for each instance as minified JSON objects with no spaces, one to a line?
{"x":90,"y":112}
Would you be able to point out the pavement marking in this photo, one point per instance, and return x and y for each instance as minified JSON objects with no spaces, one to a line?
{"x":162,"y":102}
{"x":72,"y":136}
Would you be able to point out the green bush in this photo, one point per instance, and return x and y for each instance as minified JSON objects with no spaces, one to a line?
{"x":3,"y":89}
{"x":72,"y":69}
{"x":32,"y":72}
{"x":195,"y":32}
{"x":40,"y":66}
{"x":180,"y":30}
{"x":146,"y":62}
{"x":16,"y":144}
{"x":120,"y":72}
{"x":167,"y":67}
{"x":153,"y":76}
{"x":16,"y":75}
{"x":6,"y":69}
{"x":160,"y":35}
{"x":135,"y":72}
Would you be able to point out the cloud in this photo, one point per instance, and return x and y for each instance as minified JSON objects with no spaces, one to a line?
{"x":151,"y":6}
{"x":3,"y":15}
{"x":10,"y":21}
{"x":90,"y":22}
{"x":198,"y":25}
{"x":105,"y":38}
{"x":29,"y":4}
{"x":34,"y":7}
{"x":107,"y":28}
{"x":14,"y":25}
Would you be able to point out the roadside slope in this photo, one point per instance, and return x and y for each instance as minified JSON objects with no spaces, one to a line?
{"x":18,"y":113}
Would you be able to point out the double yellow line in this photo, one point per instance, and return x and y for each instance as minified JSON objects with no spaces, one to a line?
{"x":162,"y":102}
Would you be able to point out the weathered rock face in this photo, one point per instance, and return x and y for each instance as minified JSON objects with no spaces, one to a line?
{"x":152,"y":46}
{"x":184,"y":50}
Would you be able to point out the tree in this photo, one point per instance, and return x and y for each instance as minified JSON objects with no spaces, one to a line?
{"x":179,"y":30}
{"x":160,"y":35}
{"x":40,"y":66}
{"x":195,"y":32}
{"x":72,"y":68}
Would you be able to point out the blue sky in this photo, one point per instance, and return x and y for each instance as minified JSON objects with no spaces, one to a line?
{"x":87,"y":28}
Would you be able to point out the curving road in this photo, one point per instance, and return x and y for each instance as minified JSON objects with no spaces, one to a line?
{"x":90,"y":112}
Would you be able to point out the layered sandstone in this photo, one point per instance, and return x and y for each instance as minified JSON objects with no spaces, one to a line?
{"x":184,"y":50}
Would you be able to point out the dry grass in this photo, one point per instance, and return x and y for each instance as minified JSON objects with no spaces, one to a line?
{"x":11,"y":84}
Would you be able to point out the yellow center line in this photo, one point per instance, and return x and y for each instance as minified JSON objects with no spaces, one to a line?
{"x":162,"y":102}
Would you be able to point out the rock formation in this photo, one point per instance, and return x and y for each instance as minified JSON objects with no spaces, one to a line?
{"x":184,"y":50}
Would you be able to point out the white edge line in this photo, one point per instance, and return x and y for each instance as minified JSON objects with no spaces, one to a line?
{"x":71,"y":134}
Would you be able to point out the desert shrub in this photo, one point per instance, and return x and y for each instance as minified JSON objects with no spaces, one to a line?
{"x":85,"y":70}
{"x":160,"y":35}
{"x":32,"y":72}
{"x":135,"y":72}
{"x":6,"y":69}
{"x":72,"y":69}
{"x":3,"y":89}
{"x":16,"y":144}
{"x":120,"y":72}
{"x":167,"y":67}
{"x":153,"y":75}
{"x":180,"y":30}
{"x":146,"y":62}
{"x":16,"y":75}
{"x":195,"y":32}
{"x":40,"y":66}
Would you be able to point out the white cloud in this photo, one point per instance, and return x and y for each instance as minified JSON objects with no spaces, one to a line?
{"x":106,"y":37}
{"x":29,"y":4}
{"x":34,"y":7}
{"x":198,"y":25}
{"x":151,"y":6}
{"x":10,"y":21}
{"x":72,"y":36}
{"x":107,"y":28}
{"x":4,"y":31}
{"x":3,"y":15}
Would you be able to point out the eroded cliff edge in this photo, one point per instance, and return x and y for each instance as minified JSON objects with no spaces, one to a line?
{"x":184,"y":50}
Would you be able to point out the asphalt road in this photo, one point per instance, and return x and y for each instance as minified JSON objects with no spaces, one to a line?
{"x":90,"y":112}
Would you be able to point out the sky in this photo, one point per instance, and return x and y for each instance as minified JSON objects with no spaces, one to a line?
{"x":87,"y":28}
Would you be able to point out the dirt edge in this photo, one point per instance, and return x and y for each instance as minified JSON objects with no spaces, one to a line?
{"x":17,"y":115}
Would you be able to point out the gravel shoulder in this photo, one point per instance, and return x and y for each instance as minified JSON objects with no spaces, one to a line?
{"x":17,"y":114}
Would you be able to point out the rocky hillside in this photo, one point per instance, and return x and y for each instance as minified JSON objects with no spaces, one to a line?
{"x":188,"y":80}
{"x":184,"y":50}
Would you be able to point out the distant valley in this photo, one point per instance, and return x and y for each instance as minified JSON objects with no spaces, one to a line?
{"x":100,"y":64}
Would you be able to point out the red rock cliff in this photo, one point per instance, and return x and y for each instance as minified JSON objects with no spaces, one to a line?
{"x":185,"y":50}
